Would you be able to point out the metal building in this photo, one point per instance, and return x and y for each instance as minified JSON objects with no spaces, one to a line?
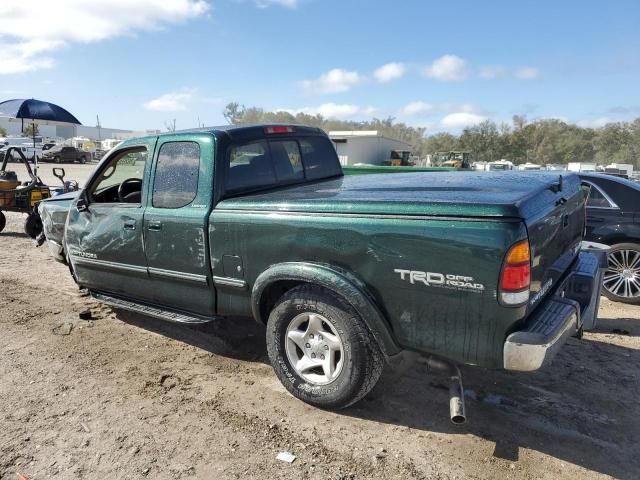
{"x":368,"y":147}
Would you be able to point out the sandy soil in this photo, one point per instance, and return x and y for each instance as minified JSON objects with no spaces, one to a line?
{"x":124,"y":396}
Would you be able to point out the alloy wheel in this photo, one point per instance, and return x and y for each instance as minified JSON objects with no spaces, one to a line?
{"x":622,"y":277}
{"x":314,"y":348}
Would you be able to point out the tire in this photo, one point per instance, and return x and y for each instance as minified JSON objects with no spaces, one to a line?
{"x":622,"y":278}
{"x":317,"y":317}
{"x":82,"y":160}
{"x":33,"y":225}
{"x":56,"y":159}
{"x":3,"y":221}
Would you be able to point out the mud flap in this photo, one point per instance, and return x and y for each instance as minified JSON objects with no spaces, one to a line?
{"x":586,"y":282}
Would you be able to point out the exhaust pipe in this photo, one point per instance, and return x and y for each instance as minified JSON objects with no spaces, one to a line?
{"x":456,"y":390}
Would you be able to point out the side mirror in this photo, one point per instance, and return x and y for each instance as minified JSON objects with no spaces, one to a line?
{"x":82,"y":204}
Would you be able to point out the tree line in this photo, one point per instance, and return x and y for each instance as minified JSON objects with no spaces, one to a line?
{"x":540,"y":141}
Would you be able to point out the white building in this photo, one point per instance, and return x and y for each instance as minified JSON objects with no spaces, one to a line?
{"x":13,"y":126}
{"x":367,"y":147}
{"x":582,"y":167}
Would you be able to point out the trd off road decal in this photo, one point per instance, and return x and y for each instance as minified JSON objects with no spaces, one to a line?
{"x":442,"y":280}
{"x":78,"y":253}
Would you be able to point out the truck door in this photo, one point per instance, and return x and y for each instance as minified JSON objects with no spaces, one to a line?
{"x":175,"y":224}
{"x":104,"y":232}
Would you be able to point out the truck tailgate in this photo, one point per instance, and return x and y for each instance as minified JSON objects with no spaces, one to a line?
{"x":555,"y":224}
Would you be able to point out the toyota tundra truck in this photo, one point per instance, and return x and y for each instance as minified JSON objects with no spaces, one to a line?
{"x":344,"y":271}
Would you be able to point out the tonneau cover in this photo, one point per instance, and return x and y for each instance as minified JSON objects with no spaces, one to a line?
{"x":455,"y":194}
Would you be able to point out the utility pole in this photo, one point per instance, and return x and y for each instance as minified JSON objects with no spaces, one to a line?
{"x":99,"y":127}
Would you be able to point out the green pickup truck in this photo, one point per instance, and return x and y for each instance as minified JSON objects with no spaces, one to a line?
{"x":344,"y":271}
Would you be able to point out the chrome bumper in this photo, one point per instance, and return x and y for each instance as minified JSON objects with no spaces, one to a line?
{"x":536,"y":346}
{"x":573,"y":306}
{"x":56,"y":251}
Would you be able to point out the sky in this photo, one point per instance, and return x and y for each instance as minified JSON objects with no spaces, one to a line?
{"x":140,"y":64}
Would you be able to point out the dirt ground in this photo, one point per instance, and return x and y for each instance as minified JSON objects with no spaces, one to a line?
{"x":124,"y":396}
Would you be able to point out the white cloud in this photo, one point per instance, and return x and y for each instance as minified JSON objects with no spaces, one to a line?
{"x":279,"y":3}
{"x":31,"y":31}
{"x":447,"y":68}
{"x":177,"y":101}
{"x":461,"y":120}
{"x":389,"y":72}
{"x":334,"y":81}
{"x":339,"y":111}
{"x":595,"y":122}
{"x":490,"y":72}
{"x":526,"y":73}
{"x":417,"y":108}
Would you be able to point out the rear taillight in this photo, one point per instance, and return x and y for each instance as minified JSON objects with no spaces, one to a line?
{"x":278,"y":129}
{"x":515,"y":278}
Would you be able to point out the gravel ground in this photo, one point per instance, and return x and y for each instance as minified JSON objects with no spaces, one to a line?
{"x":124,"y":396}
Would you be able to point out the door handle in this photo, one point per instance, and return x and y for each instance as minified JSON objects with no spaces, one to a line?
{"x":129,"y":225}
{"x":155,"y":226}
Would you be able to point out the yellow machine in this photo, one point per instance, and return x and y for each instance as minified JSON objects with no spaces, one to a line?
{"x":25,"y":197}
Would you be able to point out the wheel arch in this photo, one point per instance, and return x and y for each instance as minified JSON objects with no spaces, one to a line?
{"x":278,"y":279}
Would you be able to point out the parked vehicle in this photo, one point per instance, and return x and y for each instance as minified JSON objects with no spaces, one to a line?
{"x":65,"y":154}
{"x":613,"y":218}
{"x":345,"y":271}
{"x":27,"y":150}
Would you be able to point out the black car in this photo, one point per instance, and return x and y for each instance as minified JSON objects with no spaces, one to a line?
{"x":613,"y":218}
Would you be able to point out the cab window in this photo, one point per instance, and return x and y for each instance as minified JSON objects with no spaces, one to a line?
{"x":176,"y":179}
{"x":121,"y":180}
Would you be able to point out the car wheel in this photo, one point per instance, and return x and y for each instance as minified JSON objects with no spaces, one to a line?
{"x":56,"y":159}
{"x":320,"y":348}
{"x":3,"y":221}
{"x":83,"y":160}
{"x":33,"y":225}
{"x":622,"y":278}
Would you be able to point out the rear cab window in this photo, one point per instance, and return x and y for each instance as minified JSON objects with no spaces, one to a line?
{"x":280,"y":161}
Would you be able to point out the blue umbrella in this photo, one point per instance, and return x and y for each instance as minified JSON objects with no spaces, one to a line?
{"x":36,"y":110}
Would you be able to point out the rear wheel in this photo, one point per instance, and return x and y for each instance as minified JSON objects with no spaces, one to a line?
{"x":33,"y":225}
{"x":622,"y":278}
{"x":3,"y":221}
{"x":320,"y":348}
{"x":82,"y":160}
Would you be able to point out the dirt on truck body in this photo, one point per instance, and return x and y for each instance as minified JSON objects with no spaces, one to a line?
{"x":126,"y":396}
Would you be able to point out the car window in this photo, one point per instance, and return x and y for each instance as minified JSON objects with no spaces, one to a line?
{"x":176,"y":179}
{"x":597,"y":198}
{"x":287,"y":160}
{"x":320,"y":158}
{"x":249,"y":167}
{"x":126,"y":165}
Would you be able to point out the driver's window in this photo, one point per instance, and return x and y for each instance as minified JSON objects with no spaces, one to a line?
{"x":122,"y":179}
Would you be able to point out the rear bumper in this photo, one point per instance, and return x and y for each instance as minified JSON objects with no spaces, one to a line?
{"x":573,"y":306}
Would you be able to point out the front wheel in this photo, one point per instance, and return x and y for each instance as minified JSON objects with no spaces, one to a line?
{"x":622,"y":278}
{"x":56,"y":159}
{"x":33,"y":225}
{"x":320,"y":348}
{"x":82,"y":160}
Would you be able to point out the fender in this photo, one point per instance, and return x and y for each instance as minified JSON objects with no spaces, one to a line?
{"x":337,"y":280}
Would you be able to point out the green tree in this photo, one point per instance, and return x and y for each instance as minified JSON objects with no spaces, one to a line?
{"x":31,"y":130}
